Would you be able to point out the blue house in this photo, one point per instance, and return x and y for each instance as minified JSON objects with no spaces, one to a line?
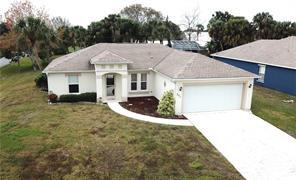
{"x":273,"y":60}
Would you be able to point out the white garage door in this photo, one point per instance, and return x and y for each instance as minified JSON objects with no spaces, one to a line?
{"x":198,"y":98}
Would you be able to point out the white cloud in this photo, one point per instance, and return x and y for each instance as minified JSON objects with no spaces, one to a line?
{"x":83,"y":12}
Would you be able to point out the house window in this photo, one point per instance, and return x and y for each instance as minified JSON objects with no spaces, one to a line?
{"x":73,"y":84}
{"x":143,"y":81}
{"x":133,"y":82}
{"x":261,"y":73}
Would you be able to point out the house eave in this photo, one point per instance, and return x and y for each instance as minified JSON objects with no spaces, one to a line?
{"x":252,"y":61}
{"x":214,"y":79}
{"x":72,"y":71}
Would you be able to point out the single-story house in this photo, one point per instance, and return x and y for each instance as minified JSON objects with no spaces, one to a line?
{"x":119,"y":71}
{"x":273,"y":60}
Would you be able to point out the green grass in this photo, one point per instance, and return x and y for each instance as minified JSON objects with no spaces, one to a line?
{"x":268,"y":104}
{"x":89,"y":141}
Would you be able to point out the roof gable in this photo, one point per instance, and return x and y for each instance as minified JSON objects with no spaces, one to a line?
{"x":107,"y":57}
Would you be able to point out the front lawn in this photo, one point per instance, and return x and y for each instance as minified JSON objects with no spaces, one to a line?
{"x":269,"y":105}
{"x":88,"y":141}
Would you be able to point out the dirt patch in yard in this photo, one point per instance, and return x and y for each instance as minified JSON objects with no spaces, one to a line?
{"x":146,"y":106}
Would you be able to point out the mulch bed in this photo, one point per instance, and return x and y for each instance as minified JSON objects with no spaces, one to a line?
{"x":146,"y":106}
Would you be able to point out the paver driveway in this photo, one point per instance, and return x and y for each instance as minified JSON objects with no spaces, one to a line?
{"x":256,"y":149}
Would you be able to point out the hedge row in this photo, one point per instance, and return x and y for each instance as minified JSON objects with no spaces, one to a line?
{"x":84,"y":97}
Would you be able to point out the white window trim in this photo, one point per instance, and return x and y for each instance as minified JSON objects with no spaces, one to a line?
{"x":76,"y":83}
{"x":143,"y":81}
{"x":139,"y":80}
{"x":134,"y":82}
{"x":261,"y":74}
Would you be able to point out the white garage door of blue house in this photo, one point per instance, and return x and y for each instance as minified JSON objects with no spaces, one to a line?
{"x":200,"y":98}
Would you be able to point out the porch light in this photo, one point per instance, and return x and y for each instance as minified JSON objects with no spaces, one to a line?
{"x":180,"y":89}
{"x":250,"y":85}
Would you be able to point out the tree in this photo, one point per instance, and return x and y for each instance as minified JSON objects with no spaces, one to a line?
{"x":264,"y":25}
{"x":112,"y":24}
{"x":34,"y":35}
{"x":140,"y":14}
{"x":173,"y":31}
{"x":238,"y":31}
{"x":190,"y":23}
{"x":22,"y":9}
{"x":129,"y":30}
{"x":227,"y":31}
{"x":199,"y":29}
{"x":58,"y":22}
{"x":3,"y":28}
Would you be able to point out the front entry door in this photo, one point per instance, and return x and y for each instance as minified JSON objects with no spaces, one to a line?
{"x":110,"y":84}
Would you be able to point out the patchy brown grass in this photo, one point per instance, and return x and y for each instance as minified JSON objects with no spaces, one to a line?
{"x":88,"y":141}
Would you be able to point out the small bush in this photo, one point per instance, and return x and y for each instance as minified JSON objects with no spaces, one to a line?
{"x":41,"y":81}
{"x":53,"y":98}
{"x":85,"y":97}
{"x":166,"y":106}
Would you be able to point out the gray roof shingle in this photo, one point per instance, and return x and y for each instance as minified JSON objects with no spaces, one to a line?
{"x":107,"y":57}
{"x":173,"y":63}
{"x":273,"y":52}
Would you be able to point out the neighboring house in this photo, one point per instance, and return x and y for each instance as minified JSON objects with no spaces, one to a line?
{"x":185,"y":45}
{"x":273,"y":60}
{"x":119,"y":71}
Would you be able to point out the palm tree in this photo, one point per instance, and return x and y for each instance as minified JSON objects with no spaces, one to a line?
{"x":34,"y":35}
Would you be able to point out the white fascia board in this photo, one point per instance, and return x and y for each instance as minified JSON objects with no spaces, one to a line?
{"x":76,"y":71}
{"x":251,"y":61}
{"x":215,"y":79}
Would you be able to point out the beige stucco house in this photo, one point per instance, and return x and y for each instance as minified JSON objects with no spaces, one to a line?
{"x":119,"y":71}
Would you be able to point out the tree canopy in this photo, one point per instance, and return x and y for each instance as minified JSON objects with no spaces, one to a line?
{"x":227,"y":31}
{"x":140,"y":14}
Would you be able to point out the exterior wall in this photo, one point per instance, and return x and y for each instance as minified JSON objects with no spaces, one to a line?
{"x":277,"y":78}
{"x":247,"y":94}
{"x":58,"y":82}
{"x":162,"y":84}
{"x":138,"y":93}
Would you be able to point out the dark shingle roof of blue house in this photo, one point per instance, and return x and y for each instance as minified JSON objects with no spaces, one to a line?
{"x":281,"y":53}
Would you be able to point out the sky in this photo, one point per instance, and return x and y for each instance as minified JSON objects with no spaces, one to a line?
{"x":83,"y":12}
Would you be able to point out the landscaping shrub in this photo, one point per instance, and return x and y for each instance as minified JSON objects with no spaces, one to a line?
{"x":166,"y":106}
{"x":88,"y":97}
{"x":53,"y":98}
{"x":41,"y":81}
{"x":85,"y":97}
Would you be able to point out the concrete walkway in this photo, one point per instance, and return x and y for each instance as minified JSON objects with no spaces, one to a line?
{"x":116,"y":107}
{"x":257,"y":149}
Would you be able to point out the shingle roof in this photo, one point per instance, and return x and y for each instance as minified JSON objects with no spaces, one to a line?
{"x":187,"y":65}
{"x":185,"y":45}
{"x":273,"y":52}
{"x":173,"y":63}
{"x":107,"y":57}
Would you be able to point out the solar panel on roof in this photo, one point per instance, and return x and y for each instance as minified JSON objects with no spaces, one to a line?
{"x":185,"y":45}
